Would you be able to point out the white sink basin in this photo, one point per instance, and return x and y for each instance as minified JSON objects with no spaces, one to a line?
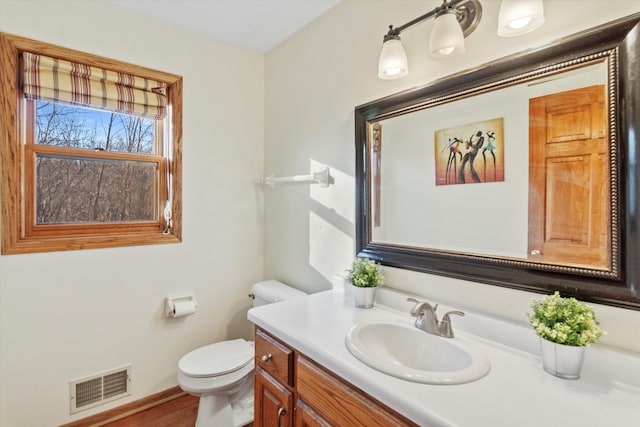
{"x":406,"y":352}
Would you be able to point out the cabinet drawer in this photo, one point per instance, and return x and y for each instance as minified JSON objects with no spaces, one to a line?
{"x":274,"y":357}
{"x":339,"y":403}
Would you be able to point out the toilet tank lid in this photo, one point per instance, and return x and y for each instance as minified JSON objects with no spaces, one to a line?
{"x":217,"y":359}
{"x":274,"y":291}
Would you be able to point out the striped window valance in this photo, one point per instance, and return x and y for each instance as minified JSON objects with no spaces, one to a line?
{"x":58,"y":80}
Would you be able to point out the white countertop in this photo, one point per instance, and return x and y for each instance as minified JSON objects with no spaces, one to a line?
{"x":517,"y":392}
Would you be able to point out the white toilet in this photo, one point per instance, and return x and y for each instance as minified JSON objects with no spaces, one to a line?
{"x":222,"y":373}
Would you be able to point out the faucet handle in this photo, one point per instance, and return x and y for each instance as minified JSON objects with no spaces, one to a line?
{"x":456,"y":312}
{"x":415,"y":311}
{"x":445,"y":325}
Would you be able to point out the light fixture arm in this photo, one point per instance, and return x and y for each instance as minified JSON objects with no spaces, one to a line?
{"x":468,"y":13}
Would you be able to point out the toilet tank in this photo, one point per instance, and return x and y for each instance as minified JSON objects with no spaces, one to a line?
{"x":271,"y":291}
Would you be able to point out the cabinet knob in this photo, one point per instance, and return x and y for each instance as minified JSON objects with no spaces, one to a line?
{"x":281,"y":412}
{"x":266,"y":357}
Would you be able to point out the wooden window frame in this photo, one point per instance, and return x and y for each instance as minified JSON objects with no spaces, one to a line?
{"x":20,"y":234}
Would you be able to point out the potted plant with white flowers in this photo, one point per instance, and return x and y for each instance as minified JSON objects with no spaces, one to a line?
{"x":566,"y":327}
{"x":365,"y":275}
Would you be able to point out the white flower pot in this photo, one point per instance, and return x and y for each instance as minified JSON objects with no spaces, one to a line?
{"x":563,"y":361}
{"x":364,"y":297}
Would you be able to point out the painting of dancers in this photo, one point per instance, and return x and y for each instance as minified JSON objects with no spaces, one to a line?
{"x":470,"y":153}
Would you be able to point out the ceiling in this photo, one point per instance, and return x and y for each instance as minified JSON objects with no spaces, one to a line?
{"x":258,"y":25}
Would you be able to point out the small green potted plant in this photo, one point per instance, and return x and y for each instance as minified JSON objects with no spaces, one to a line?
{"x":365,"y":275}
{"x":565,"y":327}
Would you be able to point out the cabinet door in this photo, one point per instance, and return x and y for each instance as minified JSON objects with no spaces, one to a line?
{"x":273,"y":402}
{"x":307,"y":417}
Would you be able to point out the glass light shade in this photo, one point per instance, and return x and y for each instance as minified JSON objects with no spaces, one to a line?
{"x":393,"y":60}
{"x":447,"y":38}
{"x":518,"y":17}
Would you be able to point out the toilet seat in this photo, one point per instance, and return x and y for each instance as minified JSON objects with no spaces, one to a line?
{"x":217,"y":359}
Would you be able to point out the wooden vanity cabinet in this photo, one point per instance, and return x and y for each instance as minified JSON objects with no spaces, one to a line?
{"x":294,"y":391}
{"x":274,"y":394}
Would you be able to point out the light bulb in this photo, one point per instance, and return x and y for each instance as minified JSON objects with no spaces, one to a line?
{"x":520,"y":23}
{"x":518,"y":17}
{"x":446,"y":51}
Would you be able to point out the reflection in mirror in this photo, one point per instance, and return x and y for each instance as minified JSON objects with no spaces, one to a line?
{"x":519,"y":172}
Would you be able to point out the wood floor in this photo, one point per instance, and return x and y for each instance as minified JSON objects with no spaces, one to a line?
{"x":169,"y":408}
{"x":180,"y":412}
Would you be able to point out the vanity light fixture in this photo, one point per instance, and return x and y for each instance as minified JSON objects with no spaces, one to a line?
{"x":455,"y":20}
{"x":447,"y":38}
{"x":393,"y":60}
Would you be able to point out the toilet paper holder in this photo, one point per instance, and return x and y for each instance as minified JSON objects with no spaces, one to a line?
{"x":179,"y":306}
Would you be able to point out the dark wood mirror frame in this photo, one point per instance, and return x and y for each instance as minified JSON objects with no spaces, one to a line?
{"x":619,"y":42}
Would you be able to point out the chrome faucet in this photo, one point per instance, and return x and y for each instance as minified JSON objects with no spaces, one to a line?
{"x":427,"y":319}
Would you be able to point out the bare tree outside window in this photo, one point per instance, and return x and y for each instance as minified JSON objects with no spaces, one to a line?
{"x":89,"y":188}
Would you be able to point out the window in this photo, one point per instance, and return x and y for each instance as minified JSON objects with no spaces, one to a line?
{"x":91,"y":150}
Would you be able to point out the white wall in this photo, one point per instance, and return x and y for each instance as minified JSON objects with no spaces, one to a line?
{"x":313,"y":82}
{"x":70,"y":314}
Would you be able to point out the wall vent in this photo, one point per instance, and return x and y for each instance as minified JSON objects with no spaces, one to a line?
{"x":99,"y":389}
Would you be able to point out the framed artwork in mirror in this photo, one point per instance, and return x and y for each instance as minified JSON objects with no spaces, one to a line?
{"x":459,"y":148}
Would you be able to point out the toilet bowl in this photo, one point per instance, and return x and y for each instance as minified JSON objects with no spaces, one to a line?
{"x":221,"y":374}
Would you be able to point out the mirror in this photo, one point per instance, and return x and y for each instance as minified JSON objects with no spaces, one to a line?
{"x":424,"y":158}
{"x":521,"y":173}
